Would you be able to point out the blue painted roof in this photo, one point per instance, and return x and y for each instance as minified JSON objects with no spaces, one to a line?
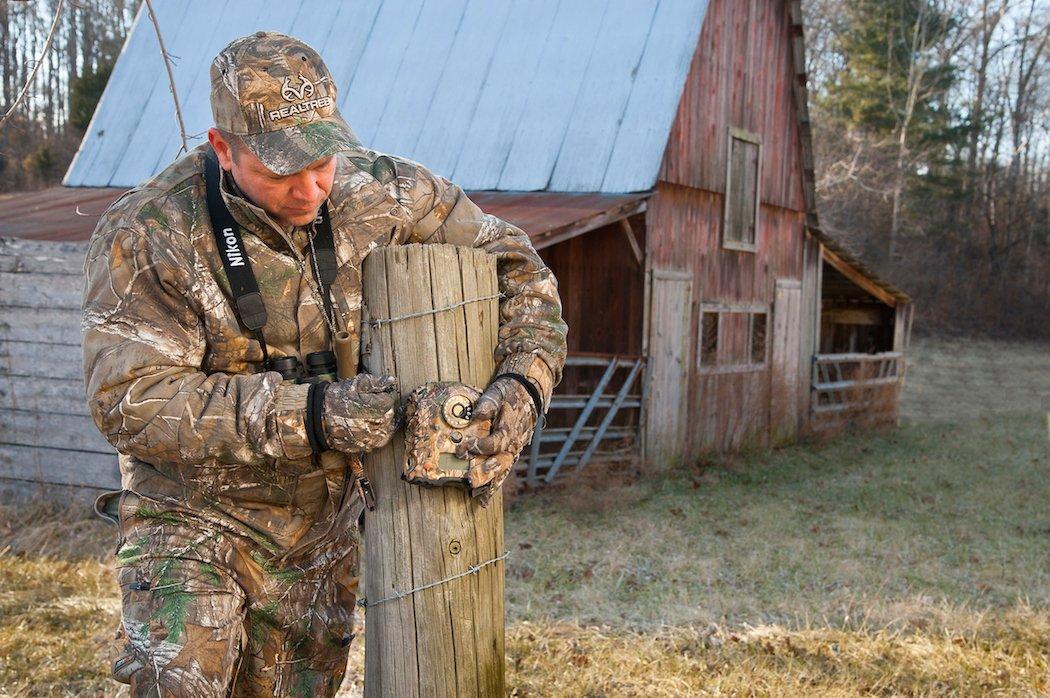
{"x":522,"y":95}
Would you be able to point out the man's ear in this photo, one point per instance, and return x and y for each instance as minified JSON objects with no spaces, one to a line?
{"x":222,"y":149}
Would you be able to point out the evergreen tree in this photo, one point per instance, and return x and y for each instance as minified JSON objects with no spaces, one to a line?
{"x":894,"y":74}
{"x":894,"y":85}
{"x":84,"y":94}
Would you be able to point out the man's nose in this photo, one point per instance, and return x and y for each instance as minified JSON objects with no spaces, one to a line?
{"x":305,"y":187}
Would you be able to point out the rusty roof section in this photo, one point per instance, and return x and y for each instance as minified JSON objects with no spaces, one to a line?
{"x":69,"y":214}
{"x":550,"y":218}
{"x":58,"y":214}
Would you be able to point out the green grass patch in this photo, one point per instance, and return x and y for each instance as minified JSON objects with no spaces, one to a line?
{"x":889,"y":528}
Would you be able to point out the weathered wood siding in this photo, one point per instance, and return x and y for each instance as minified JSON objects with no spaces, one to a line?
{"x":811,"y":282}
{"x":666,"y":428}
{"x":727,"y":411}
{"x":784,"y":379}
{"x":742,"y":76}
{"x":46,"y":434}
{"x":602,"y":289}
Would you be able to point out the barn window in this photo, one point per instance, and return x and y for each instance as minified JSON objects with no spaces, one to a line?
{"x":740,"y":227}
{"x":758,"y":338}
{"x":733,"y":337}
{"x":709,"y":339}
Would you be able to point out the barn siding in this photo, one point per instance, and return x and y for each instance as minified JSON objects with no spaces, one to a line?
{"x":46,"y":434}
{"x":667,"y":426}
{"x":685,"y":232}
{"x":811,"y":284}
{"x":602,"y":289}
{"x":742,"y":75}
{"x":729,"y":411}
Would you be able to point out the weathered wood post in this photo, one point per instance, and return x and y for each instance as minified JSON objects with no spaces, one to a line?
{"x":446,"y":639}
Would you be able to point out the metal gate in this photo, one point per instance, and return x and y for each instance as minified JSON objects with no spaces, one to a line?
{"x":582,"y":426}
{"x":845,"y":383}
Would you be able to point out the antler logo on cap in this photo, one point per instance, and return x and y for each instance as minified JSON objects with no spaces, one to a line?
{"x":306,"y":88}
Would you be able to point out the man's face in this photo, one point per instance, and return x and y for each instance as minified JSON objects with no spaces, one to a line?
{"x":289,"y":199}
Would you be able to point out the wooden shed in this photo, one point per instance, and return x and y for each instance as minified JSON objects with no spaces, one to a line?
{"x":657,"y":152}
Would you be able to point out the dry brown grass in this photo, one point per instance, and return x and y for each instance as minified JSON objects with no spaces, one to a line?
{"x":58,"y":602}
{"x":56,"y":619}
{"x":1008,"y":656}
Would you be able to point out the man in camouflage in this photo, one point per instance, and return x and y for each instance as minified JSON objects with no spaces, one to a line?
{"x":238,"y":547}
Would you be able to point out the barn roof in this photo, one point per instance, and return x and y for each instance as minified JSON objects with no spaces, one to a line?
{"x":513,"y":96}
{"x":69,"y":214}
{"x":517,"y":95}
{"x":60,"y":214}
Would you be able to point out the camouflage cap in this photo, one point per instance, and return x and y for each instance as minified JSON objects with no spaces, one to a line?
{"x":276,"y":93}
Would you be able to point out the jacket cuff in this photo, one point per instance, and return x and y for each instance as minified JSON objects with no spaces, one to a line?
{"x":290,"y":412}
{"x":535,"y":369}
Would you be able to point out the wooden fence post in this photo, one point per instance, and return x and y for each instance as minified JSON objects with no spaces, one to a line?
{"x":447,"y":639}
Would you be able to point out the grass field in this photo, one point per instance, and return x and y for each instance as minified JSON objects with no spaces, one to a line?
{"x":912,"y":562}
{"x":962,"y":380}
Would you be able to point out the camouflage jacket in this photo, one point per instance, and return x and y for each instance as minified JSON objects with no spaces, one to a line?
{"x":175,"y":382}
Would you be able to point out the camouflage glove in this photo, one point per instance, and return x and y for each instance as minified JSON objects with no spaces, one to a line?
{"x":513,"y":413}
{"x":359,"y":413}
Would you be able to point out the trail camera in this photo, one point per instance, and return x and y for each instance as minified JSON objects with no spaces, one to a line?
{"x":438,"y":418}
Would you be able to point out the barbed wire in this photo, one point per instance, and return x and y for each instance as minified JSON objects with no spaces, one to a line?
{"x":473,"y":569}
{"x":386,"y":321}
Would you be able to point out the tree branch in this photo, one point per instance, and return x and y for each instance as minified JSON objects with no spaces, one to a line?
{"x":171,"y":76}
{"x":36,"y":68}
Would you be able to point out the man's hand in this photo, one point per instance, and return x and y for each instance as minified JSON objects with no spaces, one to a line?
{"x":513,"y":415}
{"x":359,"y":413}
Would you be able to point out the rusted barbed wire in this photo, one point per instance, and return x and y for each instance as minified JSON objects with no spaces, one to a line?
{"x":379,"y":322}
{"x":473,"y":569}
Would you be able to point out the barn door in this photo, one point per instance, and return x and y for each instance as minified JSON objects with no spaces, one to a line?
{"x":670,"y":318}
{"x":784,"y":388}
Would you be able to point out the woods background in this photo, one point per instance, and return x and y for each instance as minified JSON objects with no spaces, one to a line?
{"x":931,"y":127}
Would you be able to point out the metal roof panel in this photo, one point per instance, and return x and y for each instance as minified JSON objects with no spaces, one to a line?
{"x":562,"y":95}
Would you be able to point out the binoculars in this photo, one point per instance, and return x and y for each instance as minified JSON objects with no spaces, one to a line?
{"x":319,"y":367}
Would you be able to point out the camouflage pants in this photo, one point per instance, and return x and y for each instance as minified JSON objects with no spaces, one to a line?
{"x":206,"y":614}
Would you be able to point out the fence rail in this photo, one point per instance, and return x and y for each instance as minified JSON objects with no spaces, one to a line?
{"x":590,"y":432}
{"x":854,"y":382}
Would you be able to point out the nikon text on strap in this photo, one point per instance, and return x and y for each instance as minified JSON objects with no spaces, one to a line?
{"x":249,"y":302}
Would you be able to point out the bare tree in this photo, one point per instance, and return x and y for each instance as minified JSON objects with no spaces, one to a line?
{"x":36,"y":138}
{"x":967,"y":217}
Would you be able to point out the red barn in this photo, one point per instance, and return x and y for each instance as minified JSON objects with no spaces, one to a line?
{"x":657,"y":152}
